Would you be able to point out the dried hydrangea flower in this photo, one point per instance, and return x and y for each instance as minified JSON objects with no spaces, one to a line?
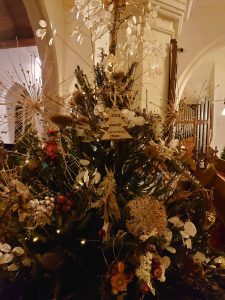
{"x":147,"y":216}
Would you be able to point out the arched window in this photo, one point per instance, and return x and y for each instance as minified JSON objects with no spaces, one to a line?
{"x":13,"y":116}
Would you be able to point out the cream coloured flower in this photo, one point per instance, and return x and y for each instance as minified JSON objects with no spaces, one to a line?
{"x":6,"y":248}
{"x":134,"y":120}
{"x":143,"y":272}
{"x":174,"y":143}
{"x":165,"y":262}
{"x":176,"y":222}
{"x":188,"y":243}
{"x":199,"y":257}
{"x":168,"y":238}
{"x":190,"y":229}
{"x":99,"y":108}
{"x":84,"y":162}
{"x":147,"y":216}
{"x":41,"y":32}
{"x":220,"y":260}
{"x":18,"y":250}
{"x":138,"y":121}
{"x":13,"y":267}
{"x":6,"y":258}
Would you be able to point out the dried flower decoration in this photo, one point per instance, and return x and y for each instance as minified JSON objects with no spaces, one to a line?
{"x":12,"y":258}
{"x":108,"y":200}
{"x":147,"y":217}
{"x":159,"y":151}
{"x":118,"y":279}
{"x":143,"y":272}
{"x":220,"y":260}
{"x":189,"y":230}
{"x":94,"y":15}
{"x":37,"y":212}
{"x":99,"y":17}
{"x":199,"y":257}
{"x":42,"y":31}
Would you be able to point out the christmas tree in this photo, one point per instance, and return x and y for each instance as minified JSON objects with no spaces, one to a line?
{"x":100,"y":207}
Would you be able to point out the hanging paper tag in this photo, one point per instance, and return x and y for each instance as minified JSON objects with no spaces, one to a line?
{"x":116,"y":126}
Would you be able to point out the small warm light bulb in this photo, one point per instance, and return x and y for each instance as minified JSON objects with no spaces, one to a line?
{"x":58,"y":231}
{"x":27,"y":161}
{"x":83,"y":242}
{"x":35,"y":239}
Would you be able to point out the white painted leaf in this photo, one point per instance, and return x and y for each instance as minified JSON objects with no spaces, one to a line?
{"x":86,"y":177}
{"x":220,"y":260}
{"x":184,"y":234}
{"x":84,"y":162}
{"x":139,"y":121}
{"x":96,"y":111}
{"x":79,"y":37}
{"x":110,"y":8}
{"x":130,"y":23}
{"x":81,"y":40}
{"x":13,"y":267}
{"x":171,"y":249}
{"x":97,"y":178}
{"x":199,"y":257}
{"x":79,"y":178}
{"x":139,"y":29}
{"x":72,"y":9}
{"x":176,"y":222}
{"x":96,"y":170}
{"x":5,"y":248}
{"x":149,"y":5}
{"x":190,"y":228}
{"x":50,"y":41}
{"x":43,"y":23}
{"x":101,"y":107}
{"x":124,"y":46}
{"x":18,"y":250}
{"x":74,"y":32}
{"x":6,"y":258}
{"x":165,"y":261}
{"x":40,"y":33}
{"x":188,"y":243}
{"x":168,"y":236}
{"x":129,"y":31}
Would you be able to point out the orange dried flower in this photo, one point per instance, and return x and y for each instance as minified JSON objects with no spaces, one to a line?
{"x":118,"y":283}
{"x":121,"y":266}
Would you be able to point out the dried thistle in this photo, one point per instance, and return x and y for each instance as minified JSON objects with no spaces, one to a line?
{"x":159,"y":151}
{"x":147,"y":217}
{"x":108,"y":200}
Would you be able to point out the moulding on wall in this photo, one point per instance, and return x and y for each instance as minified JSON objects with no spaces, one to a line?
{"x":174,"y":11}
